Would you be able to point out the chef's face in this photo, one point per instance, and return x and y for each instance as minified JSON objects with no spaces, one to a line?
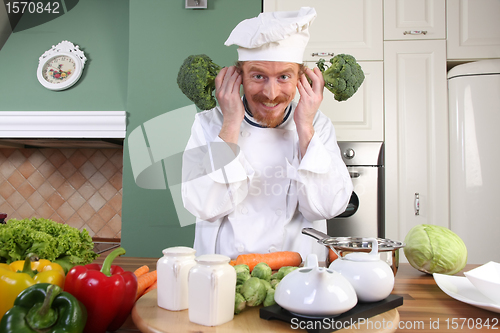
{"x":269,"y":87}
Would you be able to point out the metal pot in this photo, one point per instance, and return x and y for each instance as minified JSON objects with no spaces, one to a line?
{"x":343,"y":245}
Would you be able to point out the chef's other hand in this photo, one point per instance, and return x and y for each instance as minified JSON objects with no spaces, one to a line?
{"x":311,"y":97}
{"x":227,"y":92}
{"x":309,"y":102}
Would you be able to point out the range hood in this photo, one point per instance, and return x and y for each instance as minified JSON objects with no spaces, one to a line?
{"x":62,"y":129}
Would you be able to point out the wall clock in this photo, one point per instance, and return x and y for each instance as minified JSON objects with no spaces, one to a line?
{"x":61,"y":67}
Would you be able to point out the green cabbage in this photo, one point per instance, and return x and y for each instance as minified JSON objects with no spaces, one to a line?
{"x":435,"y":249}
{"x":50,"y":240}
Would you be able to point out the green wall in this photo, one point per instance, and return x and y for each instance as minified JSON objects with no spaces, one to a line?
{"x":101,"y":29}
{"x":162,"y":34}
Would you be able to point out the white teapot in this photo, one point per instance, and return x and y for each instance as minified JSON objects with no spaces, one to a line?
{"x":371,"y":277}
{"x":315,"y":291}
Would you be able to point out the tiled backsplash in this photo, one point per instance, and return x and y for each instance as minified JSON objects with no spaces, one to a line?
{"x":79,"y":187}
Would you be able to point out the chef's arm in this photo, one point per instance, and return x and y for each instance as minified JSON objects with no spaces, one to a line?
{"x":215,"y":180}
{"x":324,"y":186}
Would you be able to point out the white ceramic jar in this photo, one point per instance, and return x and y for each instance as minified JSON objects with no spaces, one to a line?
{"x":172,"y":270}
{"x":211,"y":282}
{"x":371,"y":277}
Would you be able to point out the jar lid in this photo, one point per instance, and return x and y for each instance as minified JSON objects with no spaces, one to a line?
{"x":179,"y":250}
{"x":213,"y":259}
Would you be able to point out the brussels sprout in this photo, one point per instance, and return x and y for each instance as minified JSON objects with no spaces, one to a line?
{"x":283,"y":271}
{"x":435,"y":249}
{"x":239,"y":303}
{"x":269,"y":300}
{"x":267,"y":284}
{"x":242,"y":273}
{"x":254,"y":291}
{"x":262,"y":271}
{"x":241,"y":268}
{"x":274,"y":282}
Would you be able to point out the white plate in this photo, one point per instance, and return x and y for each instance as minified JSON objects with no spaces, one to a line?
{"x":461,"y":289}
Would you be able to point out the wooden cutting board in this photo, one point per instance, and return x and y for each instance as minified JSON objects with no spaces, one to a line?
{"x":150,"y":318}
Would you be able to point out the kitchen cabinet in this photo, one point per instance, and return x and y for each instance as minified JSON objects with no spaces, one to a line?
{"x":354,"y":27}
{"x":410,"y":19}
{"x":361,"y":117}
{"x":473,"y":29}
{"x":416,"y":135}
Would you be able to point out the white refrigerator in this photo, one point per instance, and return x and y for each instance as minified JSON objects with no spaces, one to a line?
{"x":474,"y":115}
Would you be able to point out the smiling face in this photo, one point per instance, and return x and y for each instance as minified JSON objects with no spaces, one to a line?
{"x":269,"y":88}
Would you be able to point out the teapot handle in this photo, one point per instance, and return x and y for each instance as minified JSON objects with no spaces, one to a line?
{"x":311,"y":261}
{"x":374,"y":242}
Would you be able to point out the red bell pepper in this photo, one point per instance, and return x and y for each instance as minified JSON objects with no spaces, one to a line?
{"x":107,"y":291}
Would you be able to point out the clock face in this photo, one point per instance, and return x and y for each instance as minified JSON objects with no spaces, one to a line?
{"x":58,"y":69}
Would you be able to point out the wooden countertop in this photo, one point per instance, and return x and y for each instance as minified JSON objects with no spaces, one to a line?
{"x":426,"y":307}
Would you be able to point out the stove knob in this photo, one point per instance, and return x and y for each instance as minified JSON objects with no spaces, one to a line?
{"x":349,"y":153}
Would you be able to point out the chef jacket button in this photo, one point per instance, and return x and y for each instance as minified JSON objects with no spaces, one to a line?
{"x":273,"y":249}
{"x":244,"y":210}
{"x":278,"y":212}
{"x":240,"y":248}
{"x":245,"y":134}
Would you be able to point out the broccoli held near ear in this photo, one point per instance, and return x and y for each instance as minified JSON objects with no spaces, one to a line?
{"x":196,"y":78}
{"x":343,"y":77}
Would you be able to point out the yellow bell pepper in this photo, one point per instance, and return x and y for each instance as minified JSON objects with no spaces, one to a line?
{"x":21,"y":274}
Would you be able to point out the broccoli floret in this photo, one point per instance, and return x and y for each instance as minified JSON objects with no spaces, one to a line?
{"x":196,"y":79}
{"x":343,"y":77}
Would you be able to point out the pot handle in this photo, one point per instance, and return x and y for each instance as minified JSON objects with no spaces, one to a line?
{"x":320,"y":236}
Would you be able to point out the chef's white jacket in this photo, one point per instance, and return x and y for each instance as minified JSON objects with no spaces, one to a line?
{"x":257,"y":199}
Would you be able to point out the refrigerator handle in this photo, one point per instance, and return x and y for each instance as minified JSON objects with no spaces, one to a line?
{"x":417,"y":204}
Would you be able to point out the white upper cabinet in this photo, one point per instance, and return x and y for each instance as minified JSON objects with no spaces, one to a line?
{"x":473,"y":29}
{"x":361,"y":117}
{"x":414,"y":19}
{"x":354,"y":27}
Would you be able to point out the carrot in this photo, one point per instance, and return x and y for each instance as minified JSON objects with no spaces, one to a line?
{"x":232,"y":263}
{"x":144,"y":281}
{"x":151,"y":287}
{"x":332,"y":256}
{"x":275,"y":260}
{"x":141,"y":270}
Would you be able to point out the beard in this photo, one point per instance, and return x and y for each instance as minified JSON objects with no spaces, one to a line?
{"x":269,"y":119}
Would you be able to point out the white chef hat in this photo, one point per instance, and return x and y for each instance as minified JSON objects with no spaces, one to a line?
{"x":273,"y":36}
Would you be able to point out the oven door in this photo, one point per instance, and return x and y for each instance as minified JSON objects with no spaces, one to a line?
{"x":364,"y":214}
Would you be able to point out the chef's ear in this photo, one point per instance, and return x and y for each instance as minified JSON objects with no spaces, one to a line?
{"x":239,"y":67}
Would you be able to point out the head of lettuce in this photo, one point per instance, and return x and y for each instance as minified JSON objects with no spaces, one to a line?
{"x":435,"y":249}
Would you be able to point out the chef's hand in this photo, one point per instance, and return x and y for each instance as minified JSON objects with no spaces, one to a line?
{"x":309,"y":102}
{"x":227,"y":92}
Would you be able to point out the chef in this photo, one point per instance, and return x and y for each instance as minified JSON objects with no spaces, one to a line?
{"x":265,"y":166}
